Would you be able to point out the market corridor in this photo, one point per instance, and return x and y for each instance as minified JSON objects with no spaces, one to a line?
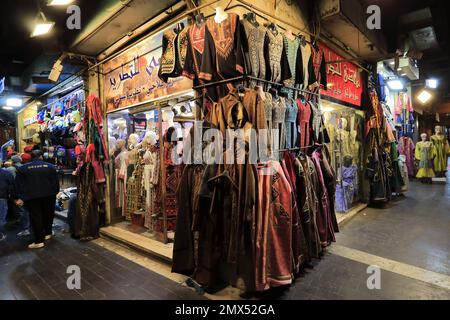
{"x":409,"y":240}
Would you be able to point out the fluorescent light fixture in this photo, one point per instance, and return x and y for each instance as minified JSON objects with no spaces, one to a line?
{"x":14,"y":102}
{"x":395,"y":84}
{"x":7,"y":108}
{"x":42,"y":26}
{"x":432,"y":83}
{"x":59,"y":2}
{"x":392,"y":63}
{"x":424,"y":96}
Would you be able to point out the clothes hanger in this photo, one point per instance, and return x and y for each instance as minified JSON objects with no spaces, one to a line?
{"x":200,"y":19}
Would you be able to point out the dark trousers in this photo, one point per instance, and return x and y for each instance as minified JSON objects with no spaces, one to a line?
{"x":42,"y":212}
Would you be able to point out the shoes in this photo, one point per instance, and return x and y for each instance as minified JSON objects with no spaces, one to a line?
{"x":24,"y":233}
{"x":49,"y":236}
{"x":2,"y":236}
{"x":36,"y":245}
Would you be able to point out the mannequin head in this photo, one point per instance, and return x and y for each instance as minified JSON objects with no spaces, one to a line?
{"x":112,"y":144}
{"x":120,"y":144}
{"x":437,"y":130}
{"x":423,"y":137}
{"x":133,"y":140}
{"x":149,"y":138}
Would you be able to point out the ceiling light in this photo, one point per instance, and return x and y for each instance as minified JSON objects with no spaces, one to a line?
{"x":59,"y":2}
{"x":399,"y":69}
{"x":432,"y":83}
{"x":7,"y":108}
{"x":424,"y":96}
{"x":14,"y":102}
{"x":395,"y":84}
{"x":42,"y":26}
{"x":392,"y":63}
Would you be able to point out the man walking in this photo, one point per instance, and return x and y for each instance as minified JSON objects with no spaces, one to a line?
{"x":37,"y":185}
{"x":6,"y":190}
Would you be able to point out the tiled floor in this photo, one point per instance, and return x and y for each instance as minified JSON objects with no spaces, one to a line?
{"x":412,"y":234}
{"x":41,"y":274}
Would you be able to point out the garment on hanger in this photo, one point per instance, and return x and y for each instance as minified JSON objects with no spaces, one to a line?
{"x":304,"y":120}
{"x":319,"y":74}
{"x":273,"y":257}
{"x":194,"y":53}
{"x":304,"y":66}
{"x":292,"y":49}
{"x":345,"y":190}
{"x":150,"y":180}
{"x":406,"y":147}
{"x":316,"y":121}
{"x":174,"y":48}
{"x":291,"y":123}
{"x":403,"y":104}
{"x":278,"y":121}
{"x":121,"y":165}
{"x":254,"y":49}
{"x":223,"y":57}
{"x":277,"y":65}
{"x":268,"y":109}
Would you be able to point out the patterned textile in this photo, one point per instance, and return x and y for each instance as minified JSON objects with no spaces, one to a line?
{"x":277,"y":69}
{"x":406,"y":148}
{"x":292,"y":48}
{"x":273,"y":259}
{"x":442,"y":150}
{"x":345,"y":190}
{"x":254,"y":51}
{"x":174,"y":49}
{"x":290,"y":123}
{"x":278,"y":121}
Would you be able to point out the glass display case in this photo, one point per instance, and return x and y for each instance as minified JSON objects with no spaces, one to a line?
{"x":345,"y":127}
{"x":144,"y":145}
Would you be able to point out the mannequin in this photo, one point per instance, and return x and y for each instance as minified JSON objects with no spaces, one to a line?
{"x":121,"y":164}
{"x":112,"y":142}
{"x":151,"y":174}
{"x":442,"y":149}
{"x":425,"y":152}
{"x":343,"y":135}
{"x":133,"y":142}
{"x":221,"y":15}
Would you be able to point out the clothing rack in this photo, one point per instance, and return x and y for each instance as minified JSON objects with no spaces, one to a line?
{"x":62,"y":98}
{"x":247,"y":77}
{"x":299,"y":148}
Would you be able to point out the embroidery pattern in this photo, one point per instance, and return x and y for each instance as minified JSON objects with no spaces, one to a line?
{"x":223,"y":34}
{"x":168,"y":56}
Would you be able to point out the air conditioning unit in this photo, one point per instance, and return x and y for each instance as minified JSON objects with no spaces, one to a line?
{"x":408,"y":68}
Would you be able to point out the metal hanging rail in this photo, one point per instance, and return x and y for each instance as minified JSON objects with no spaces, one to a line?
{"x":243,"y":78}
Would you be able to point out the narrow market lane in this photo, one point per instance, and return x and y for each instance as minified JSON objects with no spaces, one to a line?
{"x":409,"y":240}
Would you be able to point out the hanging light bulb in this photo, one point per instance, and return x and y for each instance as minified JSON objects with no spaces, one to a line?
{"x":42,"y":26}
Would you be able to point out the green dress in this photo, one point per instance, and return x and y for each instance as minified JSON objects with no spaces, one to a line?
{"x":442,"y":147}
{"x":424,"y":153}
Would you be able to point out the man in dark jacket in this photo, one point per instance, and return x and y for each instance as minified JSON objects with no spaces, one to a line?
{"x":6,"y":190}
{"x":37,"y":185}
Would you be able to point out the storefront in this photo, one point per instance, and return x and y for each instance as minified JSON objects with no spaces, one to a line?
{"x":344,"y":120}
{"x":146,"y":119}
{"x":49,"y":124}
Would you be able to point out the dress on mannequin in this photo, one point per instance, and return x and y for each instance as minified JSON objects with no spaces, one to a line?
{"x":424,"y":153}
{"x":442,"y":149}
{"x":121,"y":165}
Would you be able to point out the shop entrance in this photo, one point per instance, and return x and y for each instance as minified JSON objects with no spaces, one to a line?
{"x":143,"y":144}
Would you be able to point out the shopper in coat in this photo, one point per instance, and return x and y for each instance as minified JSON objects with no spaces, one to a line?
{"x":37,"y":185}
{"x":6,"y":190}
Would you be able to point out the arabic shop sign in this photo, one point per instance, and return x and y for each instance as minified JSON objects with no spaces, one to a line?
{"x":132,"y":77}
{"x":344,"y":79}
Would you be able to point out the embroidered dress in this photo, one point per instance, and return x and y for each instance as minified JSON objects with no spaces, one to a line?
{"x":277,"y":66}
{"x":174,"y":48}
{"x":194,"y":54}
{"x":345,"y":191}
{"x":273,"y":259}
{"x":319,"y":75}
{"x":278,"y":122}
{"x":442,"y":149}
{"x":305,"y":66}
{"x":292,"y":47}
{"x":254,"y":49}
{"x":223,"y":57}
{"x":406,"y":148}
{"x":290,"y":123}
{"x":316,"y":121}
{"x":150,"y":180}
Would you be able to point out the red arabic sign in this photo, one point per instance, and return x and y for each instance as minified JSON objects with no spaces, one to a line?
{"x":344,"y":79}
